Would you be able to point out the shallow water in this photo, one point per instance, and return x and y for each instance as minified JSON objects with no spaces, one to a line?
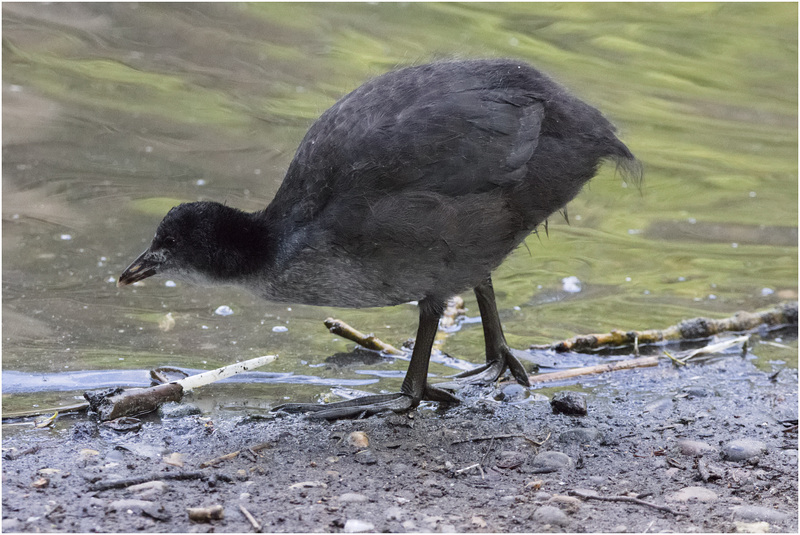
{"x":113,"y":113}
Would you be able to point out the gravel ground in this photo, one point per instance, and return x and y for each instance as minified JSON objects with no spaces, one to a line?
{"x":705,"y":448}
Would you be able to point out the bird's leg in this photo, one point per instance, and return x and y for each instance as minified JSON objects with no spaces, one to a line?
{"x":499,"y":357}
{"x":415,"y":386}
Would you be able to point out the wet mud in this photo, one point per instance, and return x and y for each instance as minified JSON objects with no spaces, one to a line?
{"x":710,"y":447}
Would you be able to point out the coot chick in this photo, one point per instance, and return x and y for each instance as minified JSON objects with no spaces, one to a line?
{"x":414,"y":187}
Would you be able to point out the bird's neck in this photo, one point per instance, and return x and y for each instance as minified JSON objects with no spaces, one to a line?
{"x":245,"y":246}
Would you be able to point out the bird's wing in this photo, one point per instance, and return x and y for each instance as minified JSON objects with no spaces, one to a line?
{"x":454,"y":141}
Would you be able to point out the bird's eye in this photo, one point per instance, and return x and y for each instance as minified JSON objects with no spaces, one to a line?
{"x":169,"y":241}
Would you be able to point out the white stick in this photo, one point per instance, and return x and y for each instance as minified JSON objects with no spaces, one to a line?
{"x":202,"y":379}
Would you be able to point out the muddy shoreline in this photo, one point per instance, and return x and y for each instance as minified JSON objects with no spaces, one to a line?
{"x":710,"y":447}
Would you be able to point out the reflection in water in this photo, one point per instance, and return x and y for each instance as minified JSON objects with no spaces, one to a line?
{"x":113,"y":113}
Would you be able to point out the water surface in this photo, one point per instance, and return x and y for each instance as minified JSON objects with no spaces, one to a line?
{"x":113,"y":113}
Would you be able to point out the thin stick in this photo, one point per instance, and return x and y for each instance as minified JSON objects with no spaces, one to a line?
{"x":127,"y":482}
{"x":134,"y":401}
{"x":250,"y":517}
{"x":215,"y":461}
{"x":342,"y":329}
{"x":590,"y":370}
{"x":692,"y":329}
{"x":626,"y":499}
{"x":478,"y":439}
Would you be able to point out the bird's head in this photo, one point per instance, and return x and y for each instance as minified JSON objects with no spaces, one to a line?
{"x":200,"y":242}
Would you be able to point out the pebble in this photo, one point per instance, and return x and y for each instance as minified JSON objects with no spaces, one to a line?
{"x":661,"y":406}
{"x":751,"y":527}
{"x":742,"y":449}
{"x":700,"y":494}
{"x":570,"y":504}
{"x":409,"y":525}
{"x":583,"y":435}
{"x":359,"y":439}
{"x":694,"y":448}
{"x":365,"y":457}
{"x":353,"y":525}
{"x":513,"y":392}
{"x":353,"y":497}
{"x":132,"y":504}
{"x":11,"y":525}
{"x":547,"y":514}
{"x":393,"y":513}
{"x":542,"y":496}
{"x":755,"y":513}
{"x":598,"y":480}
{"x":178,"y":410}
{"x":699,"y":392}
{"x":569,"y":402}
{"x":149,"y":489}
{"x":550,"y":461}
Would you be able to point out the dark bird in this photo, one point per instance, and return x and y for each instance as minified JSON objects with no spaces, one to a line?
{"x":414,"y":187}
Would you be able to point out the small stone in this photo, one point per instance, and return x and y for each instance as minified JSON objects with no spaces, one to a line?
{"x":755,"y":513}
{"x":699,"y":392}
{"x":621,"y":528}
{"x":478,"y":521}
{"x":569,"y":402}
{"x":48,"y":471}
{"x":353,"y":525}
{"x":547,"y":514}
{"x":206,"y":514}
{"x":308,"y":485}
{"x":581,"y":435}
{"x":178,"y":410}
{"x":694,"y":448}
{"x":751,"y":527}
{"x":510,"y":459}
{"x":569,"y":504}
{"x":447,"y":528}
{"x":742,"y":449}
{"x":409,"y":525}
{"x":550,"y":461}
{"x":542,"y":496}
{"x":358,"y":439}
{"x":353,"y":497}
{"x":365,"y":457}
{"x":394,"y":513}
{"x":12,"y":525}
{"x":173,"y":459}
{"x":660,"y":406}
{"x":40,"y":483}
{"x":86,"y":453}
{"x":130,"y":505}
{"x":149,"y":487}
{"x":700,"y":494}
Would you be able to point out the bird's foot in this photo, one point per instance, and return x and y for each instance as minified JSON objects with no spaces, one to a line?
{"x":494,"y":369}
{"x":367,"y":405}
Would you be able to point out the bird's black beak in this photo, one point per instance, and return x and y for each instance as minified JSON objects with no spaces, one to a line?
{"x":145,"y":266}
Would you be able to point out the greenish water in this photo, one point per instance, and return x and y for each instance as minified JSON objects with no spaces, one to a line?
{"x":113,"y":113}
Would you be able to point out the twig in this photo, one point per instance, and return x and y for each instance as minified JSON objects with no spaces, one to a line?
{"x":250,"y":517}
{"x":692,"y":329}
{"x":470,"y":467}
{"x":232,"y":455}
{"x":116,"y":403}
{"x":591,"y":370}
{"x":342,"y":329}
{"x":478,"y":439}
{"x":46,"y":410}
{"x":627,"y":499}
{"x":127,"y":482}
{"x":215,"y":461}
